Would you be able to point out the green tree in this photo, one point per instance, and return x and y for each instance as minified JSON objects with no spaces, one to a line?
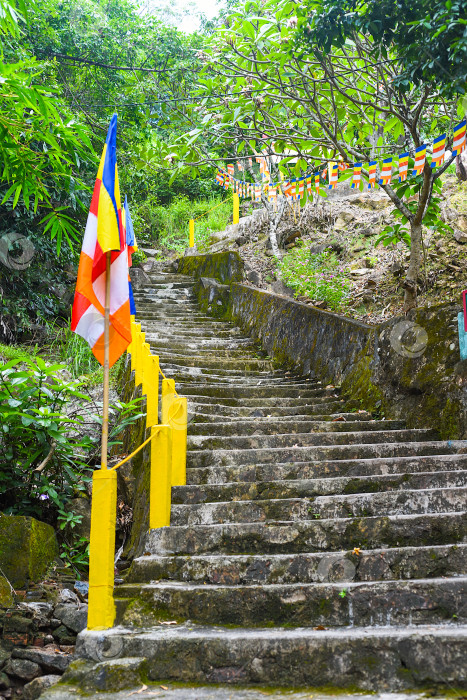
{"x":304,"y":107}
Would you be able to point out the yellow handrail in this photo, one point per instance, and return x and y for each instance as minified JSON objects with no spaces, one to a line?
{"x":167,"y":469}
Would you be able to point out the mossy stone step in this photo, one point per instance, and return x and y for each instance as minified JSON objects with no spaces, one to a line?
{"x":263,"y":390}
{"x":375,"y":658}
{"x":337,"y":468}
{"x":272,"y":426}
{"x":281,"y":415}
{"x":424,"y":601}
{"x":342,"y":567}
{"x":311,"y":488}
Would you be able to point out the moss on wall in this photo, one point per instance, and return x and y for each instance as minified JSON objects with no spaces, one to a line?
{"x":27,"y":548}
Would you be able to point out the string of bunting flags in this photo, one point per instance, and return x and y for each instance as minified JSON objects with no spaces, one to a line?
{"x":294,"y":189}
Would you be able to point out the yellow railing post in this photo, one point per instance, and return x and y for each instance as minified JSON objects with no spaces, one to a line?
{"x":161,"y":477}
{"x":101,"y":607}
{"x":139,"y":368}
{"x":236,"y":208}
{"x":178,"y":423}
{"x":168,"y":397}
{"x":192,"y":233}
{"x":151,"y":389}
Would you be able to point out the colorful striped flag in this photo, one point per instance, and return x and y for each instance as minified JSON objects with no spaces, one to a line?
{"x":333,"y":175}
{"x":403,"y":166}
{"x":272,"y":194}
{"x":373,"y":164}
{"x":309,"y":187}
{"x":357,"y":174}
{"x":439,"y":151}
{"x":301,"y":184}
{"x":231,"y":170}
{"x":459,"y":142}
{"x":386,"y":172}
{"x":420,"y":158}
{"x":317,"y":183}
{"x":103,"y":234}
{"x":132,"y":247}
{"x":240,"y":166}
{"x":257,"y":193}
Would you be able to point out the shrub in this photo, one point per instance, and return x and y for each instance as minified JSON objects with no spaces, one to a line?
{"x":316,"y":276}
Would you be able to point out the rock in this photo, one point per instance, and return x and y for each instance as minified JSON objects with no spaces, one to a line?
{"x":460,"y":236}
{"x":254,"y":277}
{"x":369,"y":263}
{"x":66,"y":596}
{"x":35,"y":688}
{"x":358,"y":248}
{"x":22,"y":668}
{"x":369,"y":202}
{"x":4,"y":681}
{"x":396,"y":268}
{"x":6,"y":596}
{"x":367,"y":232}
{"x":280,"y":288}
{"x":359,"y":271}
{"x":462,"y":223}
{"x":49,"y":658}
{"x":82,"y":588}
{"x":340,"y":224}
{"x":318,"y":248}
{"x":138,"y":277}
{"x":41,"y":612}
{"x":241,"y":240}
{"x":62,"y":635}
{"x":73,"y":617}
{"x":112,"y":675}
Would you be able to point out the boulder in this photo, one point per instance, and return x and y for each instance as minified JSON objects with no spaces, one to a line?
{"x":27,"y":548}
{"x":35,"y":688}
{"x":73,"y":617}
{"x":280,"y":288}
{"x":460,"y":236}
{"x":49,"y":657}
{"x":22,"y":668}
{"x":82,"y":507}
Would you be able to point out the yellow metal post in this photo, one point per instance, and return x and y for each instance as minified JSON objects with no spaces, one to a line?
{"x":101,"y":607}
{"x":129,"y":348}
{"x":151,"y":383}
{"x":161,"y":477}
{"x":139,"y":369}
{"x":192,"y":233}
{"x":236,"y":208}
{"x":178,"y":423}
{"x":168,"y":396}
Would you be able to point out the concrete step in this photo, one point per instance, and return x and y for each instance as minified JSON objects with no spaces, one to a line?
{"x":366,"y":658}
{"x":311,"y":488}
{"x":263,"y":390}
{"x":214,"y":457}
{"x":311,"y":535}
{"x":268,"y":426}
{"x":226,"y":414}
{"x":420,"y":602}
{"x":443,"y":500}
{"x":337,"y":468}
{"x":343,"y":566}
{"x":264,"y":404}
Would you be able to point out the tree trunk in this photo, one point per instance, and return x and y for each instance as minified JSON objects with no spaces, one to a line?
{"x":461,"y":166}
{"x":410,"y":282}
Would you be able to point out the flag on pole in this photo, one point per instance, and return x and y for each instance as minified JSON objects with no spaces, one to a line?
{"x":357,"y":174}
{"x":386,"y":172}
{"x":309,"y":187}
{"x":459,"y":142}
{"x":439,"y":151}
{"x":333,"y":174}
{"x":131,"y":247}
{"x":103,"y":234}
{"x":403,"y":166}
{"x":301,"y":188}
{"x":420,"y":158}
{"x":373,"y":164}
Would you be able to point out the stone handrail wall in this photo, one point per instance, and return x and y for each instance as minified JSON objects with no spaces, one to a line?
{"x":424,"y":387}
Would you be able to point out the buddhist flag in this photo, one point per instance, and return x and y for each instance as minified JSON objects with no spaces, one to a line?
{"x":333,"y":174}
{"x":131,"y":247}
{"x":439,"y":151}
{"x":257,"y":193}
{"x":386,"y":172}
{"x":272,"y":193}
{"x":357,"y":174}
{"x":420,"y":158}
{"x":240,"y":166}
{"x":403,"y":166}
{"x":104,"y":233}
{"x":309,"y":187}
{"x":317,"y":183}
{"x":231,"y":170}
{"x":459,"y":142}
{"x":300,"y":188}
{"x":372,"y":174}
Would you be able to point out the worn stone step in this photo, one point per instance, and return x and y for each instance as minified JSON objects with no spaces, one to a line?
{"x":366,"y":658}
{"x":281,"y":415}
{"x":244,"y":365}
{"x":311,"y":488}
{"x":266,"y":403}
{"x":238,"y":391}
{"x":420,"y":602}
{"x":343,"y":566}
{"x":443,"y":500}
{"x":180,"y":334}
{"x":213,"y":347}
{"x":308,"y":453}
{"x":338,"y":468}
{"x":296,"y":440}
{"x":311,"y":535}
{"x":269,"y":426}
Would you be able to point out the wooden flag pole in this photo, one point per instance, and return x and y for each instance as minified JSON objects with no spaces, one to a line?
{"x":105,"y":404}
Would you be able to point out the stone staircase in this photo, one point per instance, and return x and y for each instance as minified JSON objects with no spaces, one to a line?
{"x":310,"y":547}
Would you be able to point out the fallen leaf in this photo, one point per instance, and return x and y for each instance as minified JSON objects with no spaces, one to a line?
{"x":141,"y":690}
{"x":164,"y":687}
{"x":320,"y":627}
{"x":168,"y":622}
{"x":356,"y":550}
